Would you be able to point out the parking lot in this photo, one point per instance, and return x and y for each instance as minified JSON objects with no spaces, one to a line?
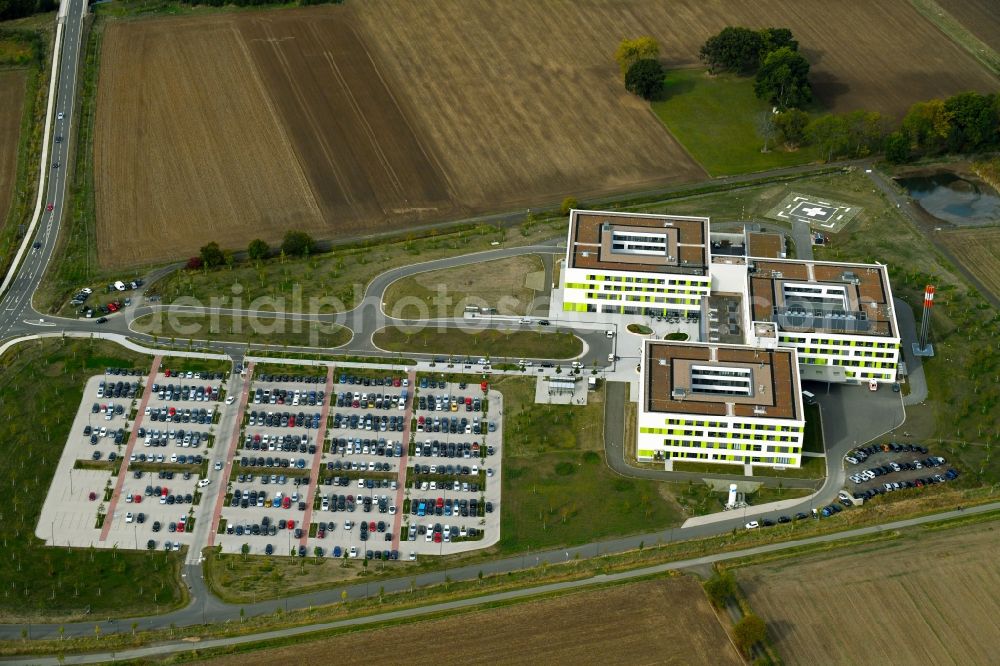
{"x":885,"y":468}
{"x":363,"y":463}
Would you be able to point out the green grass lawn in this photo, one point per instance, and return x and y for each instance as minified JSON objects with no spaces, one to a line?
{"x":258,"y":330}
{"x":714,"y":119}
{"x":490,"y":343}
{"x":812,"y":438}
{"x":44,"y":582}
{"x":557,"y":488}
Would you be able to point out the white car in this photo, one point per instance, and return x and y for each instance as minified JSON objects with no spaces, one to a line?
{"x":752,"y":525}
{"x":129,"y":517}
{"x":230,"y":399}
{"x":60,"y":115}
{"x":413,"y":555}
{"x":354,"y":551}
{"x":218,"y":465}
{"x":204,"y":482}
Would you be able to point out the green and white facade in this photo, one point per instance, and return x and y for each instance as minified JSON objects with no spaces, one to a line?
{"x":625,"y":264}
{"x":724,"y":404}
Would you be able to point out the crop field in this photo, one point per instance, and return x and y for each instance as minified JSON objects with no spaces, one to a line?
{"x":12,"y":94}
{"x":340,"y":121}
{"x":980,"y":17}
{"x":931,"y":591}
{"x":595,"y":627}
{"x":979,"y":251}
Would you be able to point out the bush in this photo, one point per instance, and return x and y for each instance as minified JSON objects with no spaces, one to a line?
{"x":565,"y":468}
{"x":568,"y":204}
{"x":645,"y":78}
{"x":897,"y":148}
{"x":630,"y":51}
{"x":298,"y":243}
{"x":194,"y":263}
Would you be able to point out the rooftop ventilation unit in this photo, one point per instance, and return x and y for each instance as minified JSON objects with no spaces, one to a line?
{"x":585,"y":254}
{"x":849,"y":276}
{"x":759,"y":410}
{"x":777,"y":275}
{"x":678,"y":394}
{"x":663,"y":361}
{"x":606,"y":226}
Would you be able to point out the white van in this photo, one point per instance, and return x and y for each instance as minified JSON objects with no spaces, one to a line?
{"x":809,"y":398}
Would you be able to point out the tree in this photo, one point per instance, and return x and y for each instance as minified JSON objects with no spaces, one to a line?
{"x":777,"y":38}
{"x":734,"y":49}
{"x":928,"y":124}
{"x":749,"y":631}
{"x":298,"y":243}
{"x":897,"y":148}
{"x":766,"y":129}
{"x":212,"y":255}
{"x":783,"y":79}
{"x":791,"y":125}
{"x":645,"y":78}
{"x":257,"y":249}
{"x":631,"y":51}
{"x":866,"y":131}
{"x":719,"y":588}
{"x":568,"y":204}
{"x":194,"y":263}
{"x":973,"y":121}
{"x":830,"y":133}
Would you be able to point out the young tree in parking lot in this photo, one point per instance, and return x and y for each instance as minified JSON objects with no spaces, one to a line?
{"x":245,"y":549}
{"x":212,"y":255}
{"x":749,"y":631}
{"x":298,"y":243}
{"x":257,"y":249}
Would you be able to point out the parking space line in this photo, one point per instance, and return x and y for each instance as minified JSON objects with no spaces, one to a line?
{"x":317,"y":457}
{"x":401,"y":479}
{"x":147,"y":391}
{"x":233,"y":444}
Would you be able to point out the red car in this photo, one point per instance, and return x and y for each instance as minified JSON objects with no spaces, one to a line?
{"x":49,"y":208}
{"x":173,"y":411}
{"x":286,"y":502}
{"x":166,"y":373}
{"x":291,"y":524}
{"x":371,"y":526}
{"x":440,"y":502}
{"x":137,"y":499}
{"x":291,"y":421}
{"x":437,"y":537}
{"x":395,"y":382}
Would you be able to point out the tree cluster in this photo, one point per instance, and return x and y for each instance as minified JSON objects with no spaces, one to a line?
{"x":298,"y":244}
{"x":254,"y":3}
{"x":968,"y":122}
{"x":638,"y":60}
{"x":12,"y":9}
{"x":771,"y":54}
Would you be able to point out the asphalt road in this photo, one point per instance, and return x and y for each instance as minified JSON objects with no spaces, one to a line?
{"x":174,"y":646}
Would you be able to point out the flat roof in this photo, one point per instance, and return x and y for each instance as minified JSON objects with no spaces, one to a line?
{"x":822,"y":297}
{"x":721,"y":380}
{"x":635,"y":242}
{"x":765,"y":244}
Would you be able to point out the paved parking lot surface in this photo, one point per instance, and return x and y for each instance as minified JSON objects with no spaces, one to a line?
{"x":363,"y":463}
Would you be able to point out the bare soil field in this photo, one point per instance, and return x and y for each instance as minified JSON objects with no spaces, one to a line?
{"x":12,"y":93}
{"x":654,"y":622}
{"x":377,"y":116}
{"x":979,"y":251}
{"x":980,"y":17}
{"x":926,"y":598}
{"x":188,"y":146}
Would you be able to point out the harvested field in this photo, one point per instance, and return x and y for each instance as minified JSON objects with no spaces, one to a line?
{"x":341,"y":121}
{"x":12,"y":93}
{"x":193,"y":153}
{"x":980,"y":17}
{"x":979,"y":251}
{"x":622,"y":623}
{"x":933,"y":591}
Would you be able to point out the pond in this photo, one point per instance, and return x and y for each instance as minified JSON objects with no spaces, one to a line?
{"x":954,"y":198}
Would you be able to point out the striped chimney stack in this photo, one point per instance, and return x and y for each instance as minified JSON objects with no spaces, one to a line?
{"x":925,"y":325}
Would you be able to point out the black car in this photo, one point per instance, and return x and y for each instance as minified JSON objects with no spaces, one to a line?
{"x":102,"y":320}
{"x":784,"y":519}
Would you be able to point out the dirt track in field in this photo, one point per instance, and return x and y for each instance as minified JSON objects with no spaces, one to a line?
{"x":381,"y":115}
{"x":12,"y":93}
{"x":979,"y":251}
{"x":654,"y":622}
{"x":980,"y":17}
{"x":926,"y":600}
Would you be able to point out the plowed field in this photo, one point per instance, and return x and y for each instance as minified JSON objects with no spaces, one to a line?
{"x":928,"y":599}
{"x":655,"y":622}
{"x":381,"y":115}
{"x":980,"y":17}
{"x":12,"y":94}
